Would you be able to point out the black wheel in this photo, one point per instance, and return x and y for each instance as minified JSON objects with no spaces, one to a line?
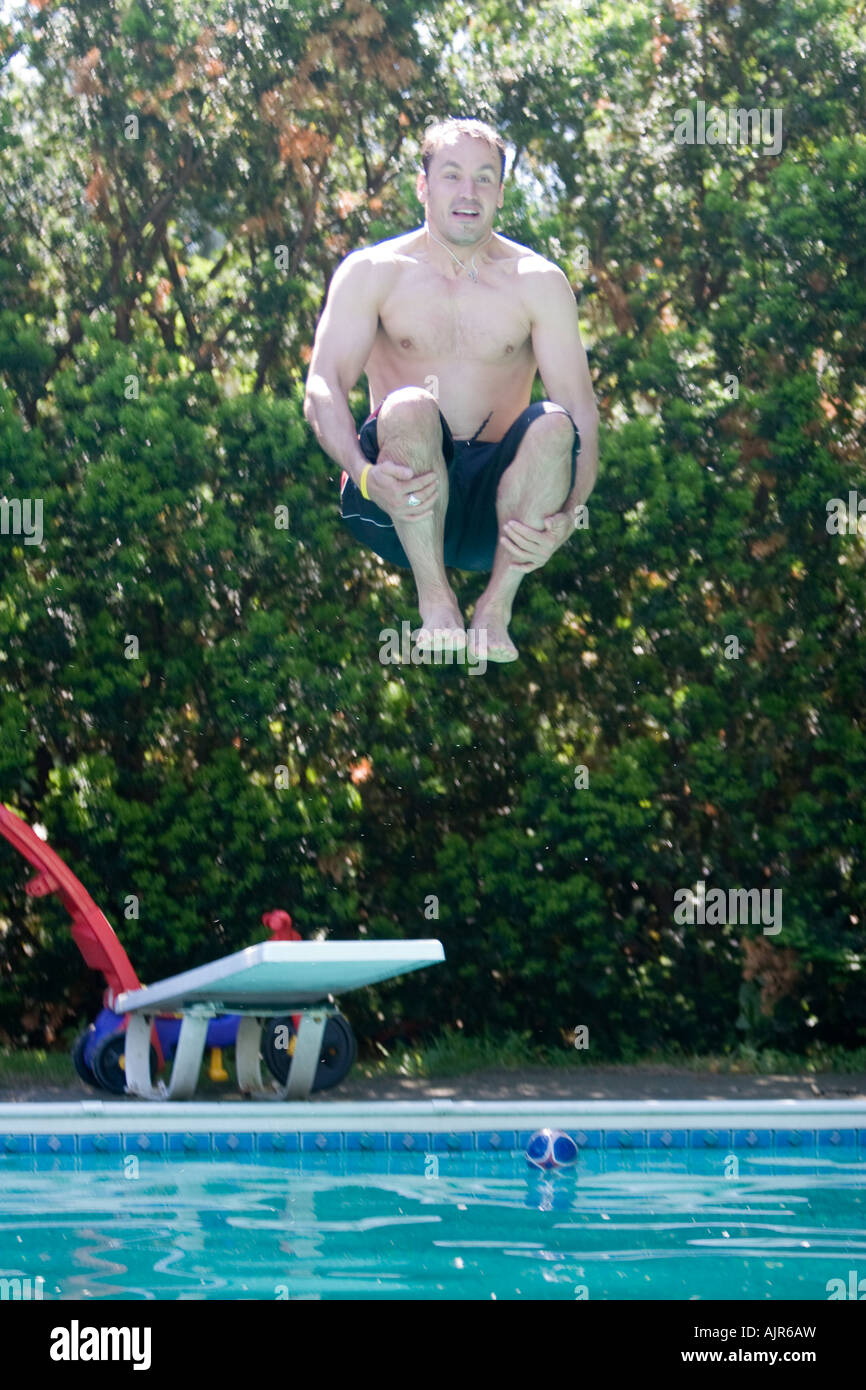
{"x":339,"y":1050}
{"x":108,"y":1065}
{"x":79,"y":1063}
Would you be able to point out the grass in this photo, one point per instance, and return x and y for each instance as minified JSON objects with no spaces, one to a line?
{"x":36,"y":1067}
{"x":454,"y":1054}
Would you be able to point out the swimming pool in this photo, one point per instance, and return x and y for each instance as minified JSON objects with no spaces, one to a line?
{"x":433,"y":1200}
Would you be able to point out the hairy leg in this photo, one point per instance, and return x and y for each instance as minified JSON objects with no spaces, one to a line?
{"x":534,"y":485}
{"x":409,"y":431}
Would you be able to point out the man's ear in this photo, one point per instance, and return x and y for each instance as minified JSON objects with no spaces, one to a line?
{"x":421,"y":187}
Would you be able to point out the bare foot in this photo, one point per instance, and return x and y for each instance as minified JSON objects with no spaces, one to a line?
{"x":441,"y":628}
{"x":491,"y":628}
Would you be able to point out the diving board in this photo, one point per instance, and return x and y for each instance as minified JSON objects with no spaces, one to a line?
{"x":287,"y":977}
{"x":260,"y":982}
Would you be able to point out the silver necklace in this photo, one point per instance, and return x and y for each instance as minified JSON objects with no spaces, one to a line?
{"x":473,"y":273}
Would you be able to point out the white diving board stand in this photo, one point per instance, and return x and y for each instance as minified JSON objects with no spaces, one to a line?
{"x":266,"y":981}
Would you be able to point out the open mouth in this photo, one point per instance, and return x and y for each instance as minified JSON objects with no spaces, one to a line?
{"x":469,"y":216}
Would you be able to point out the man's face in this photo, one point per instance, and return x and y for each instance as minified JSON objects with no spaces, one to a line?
{"x":462,"y":191}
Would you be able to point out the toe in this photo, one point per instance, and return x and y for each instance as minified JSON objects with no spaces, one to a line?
{"x":502,"y":653}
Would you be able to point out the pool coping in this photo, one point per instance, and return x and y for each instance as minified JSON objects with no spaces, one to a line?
{"x":94,"y":1125}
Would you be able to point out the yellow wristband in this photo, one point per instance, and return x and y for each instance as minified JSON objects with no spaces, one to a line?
{"x":364,"y":492}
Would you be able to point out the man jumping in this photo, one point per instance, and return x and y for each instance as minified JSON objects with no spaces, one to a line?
{"x":454,"y":467}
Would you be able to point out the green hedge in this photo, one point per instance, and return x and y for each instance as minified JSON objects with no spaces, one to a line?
{"x":724,"y":302}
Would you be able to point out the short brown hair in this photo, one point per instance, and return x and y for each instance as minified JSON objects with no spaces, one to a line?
{"x":438,"y":133}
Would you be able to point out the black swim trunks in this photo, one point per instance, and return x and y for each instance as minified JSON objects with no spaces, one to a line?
{"x":474,"y":471}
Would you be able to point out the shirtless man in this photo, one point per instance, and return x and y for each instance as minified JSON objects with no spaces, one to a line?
{"x":453,"y":466}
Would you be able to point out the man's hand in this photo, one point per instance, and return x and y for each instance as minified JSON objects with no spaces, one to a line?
{"x":391,"y":484}
{"x":530,"y":548}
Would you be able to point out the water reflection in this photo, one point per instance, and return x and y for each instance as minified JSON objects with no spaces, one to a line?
{"x":377,"y":1225}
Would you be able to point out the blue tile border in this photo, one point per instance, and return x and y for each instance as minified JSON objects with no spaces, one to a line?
{"x":496,"y":1141}
{"x":719,"y":1139}
{"x":409,"y":1141}
{"x":837,"y":1138}
{"x":456,"y":1142}
{"x":190,"y":1143}
{"x":233,"y":1143}
{"x":326,"y":1142}
{"x":753,"y":1138}
{"x":146,"y":1142}
{"x":625,"y":1139}
{"x":668,"y":1138}
{"x":99,"y":1143}
{"x":278,"y":1143}
{"x":787,"y":1142}
{"x":367,"y":1142}
{"x":795,"y":1138}
{"x":55,"y":1143}
{"x":16,"y":1144}
{"x":586,"y":1138}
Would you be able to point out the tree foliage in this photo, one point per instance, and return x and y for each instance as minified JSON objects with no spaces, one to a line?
{"x":160,"y":280}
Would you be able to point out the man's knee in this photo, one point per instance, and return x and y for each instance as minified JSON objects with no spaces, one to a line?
{"x":409,"y":407}
{"x":554,"y":426}
{"x":552,"y":439}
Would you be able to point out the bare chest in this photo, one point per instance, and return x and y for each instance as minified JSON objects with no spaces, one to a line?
{"x":428,"y":317}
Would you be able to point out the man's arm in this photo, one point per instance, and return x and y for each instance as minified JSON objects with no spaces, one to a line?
{"x":344,"y":340}
{"x":564,"y":369}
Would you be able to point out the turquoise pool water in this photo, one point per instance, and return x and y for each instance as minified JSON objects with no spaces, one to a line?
{"x":650,"y":1225}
